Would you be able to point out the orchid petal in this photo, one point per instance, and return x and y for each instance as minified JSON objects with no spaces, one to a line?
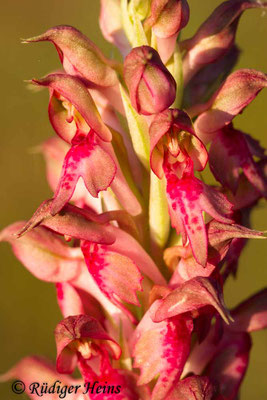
{"x":177,"y":124}
{"x":88,"y":160}
{"x":116,"y":275}
{"x":73,"y":301}
{"x":219,"y":233}
{"x":232,"y":145}
{"x":203,"y":85}
{"x":193,"y":388}
{"x":216,"y":35}
{"x":54,"y":151}
{"x":127,"y":246}
{"x":229,"y":364}
{"x":59,"y":118}
{"x":38,"y":369}
{"x":251,"y":315}
{"x":79,"y":55}
{"x":73,"y":89}
{"x":71,"y":221}
{"x":43,"y":253}
{"x":161,"y":348}
{"x":237,"y":91}
{"x":75,"y":328}
{"x":187,"y":198}
{"x":192,"y":295}
{"x":111,"y":25}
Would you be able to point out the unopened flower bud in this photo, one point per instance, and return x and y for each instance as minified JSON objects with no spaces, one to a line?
{"x":215,"y":36}
{"x":152,"y":88}
{"x":168,"y":17}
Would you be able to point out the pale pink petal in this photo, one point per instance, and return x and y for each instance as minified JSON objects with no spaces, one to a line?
{"x":43,"y":253}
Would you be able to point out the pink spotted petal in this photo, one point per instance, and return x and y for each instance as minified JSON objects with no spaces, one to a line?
{"x":116,"y":275}
{"x":76,"y":328}
{"x":54,"y":151}
{"x":79,"y":55}
{"x":192,"y":295}
{"x":186,"y":213}
{"x":193,"y":388}
{"x":86,"y":160}
{"x":161,"y":349}
{"x":122,"y":383}
{"x":74,"y":90}
{"x":86,"y":285}
{"x":187,"y":198}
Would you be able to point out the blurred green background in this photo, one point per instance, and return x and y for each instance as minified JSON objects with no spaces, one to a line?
{"x":29,"y":311}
